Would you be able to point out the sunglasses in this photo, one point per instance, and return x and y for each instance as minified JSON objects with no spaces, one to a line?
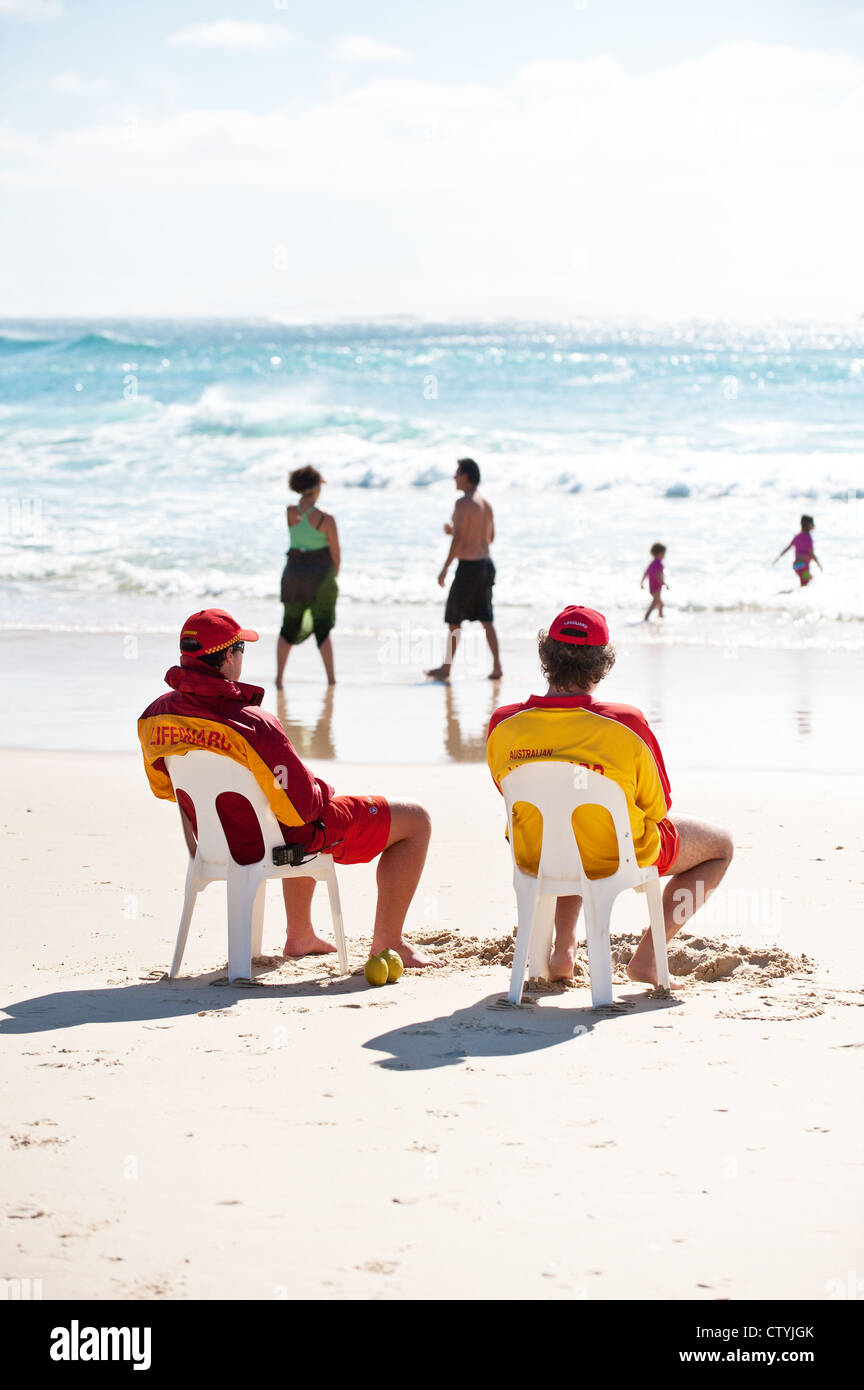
{"x":237,"y":647}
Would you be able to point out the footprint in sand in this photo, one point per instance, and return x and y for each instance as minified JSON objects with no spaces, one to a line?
{"x":378,"y":1267}
{"x":27,"y":1141}
{"x":790,"y":1011}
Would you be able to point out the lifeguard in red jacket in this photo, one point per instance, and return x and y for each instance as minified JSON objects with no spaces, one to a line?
{"x":208,"y":707}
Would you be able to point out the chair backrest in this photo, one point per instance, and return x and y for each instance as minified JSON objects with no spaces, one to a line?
{"x":205,"y":776}
{"x":557,"y":788}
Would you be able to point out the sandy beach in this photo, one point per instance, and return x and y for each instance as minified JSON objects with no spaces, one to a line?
{"x":312,"y":1137}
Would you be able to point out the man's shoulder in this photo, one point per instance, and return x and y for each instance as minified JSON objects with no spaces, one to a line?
{"x":506,"y":712}
{"x":628,"y":715}
{"x":163,"y":704}
{"x":615,"y":710}
{"x":221,"y":711}
{"x":625,"y":714}
{"x":630,"y":718}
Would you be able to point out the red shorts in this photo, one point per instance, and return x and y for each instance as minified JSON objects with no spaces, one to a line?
{"x":361,"y":825}
{"x":669,"y":846}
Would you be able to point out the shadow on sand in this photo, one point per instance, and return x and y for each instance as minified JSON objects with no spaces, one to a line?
{"x":488,"y":1028}
{"x":160,"y":998}
{"x":494,"y":1028}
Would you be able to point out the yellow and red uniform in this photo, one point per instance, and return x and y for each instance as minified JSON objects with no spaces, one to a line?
{"x":205,"y":711}
{"x":614,"y":740}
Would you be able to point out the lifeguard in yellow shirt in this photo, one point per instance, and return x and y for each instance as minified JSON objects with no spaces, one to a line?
{"x":568,"y":724}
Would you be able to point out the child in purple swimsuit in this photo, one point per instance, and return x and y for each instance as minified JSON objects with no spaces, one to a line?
{"x":804,"y":553}
{"x":656,"y":582}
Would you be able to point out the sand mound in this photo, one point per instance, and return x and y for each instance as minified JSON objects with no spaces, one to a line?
{"x":698,"y":957}
{"x":705,"y":959}
{"x":468,"y":952}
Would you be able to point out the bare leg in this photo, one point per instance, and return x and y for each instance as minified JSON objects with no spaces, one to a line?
{"x":302,"y":940}
{"x":442,"y":672}
{"x":704,"y":855}
{"x":399,"y":870}
{"x":653,"y":604}
{"x":326,"y":650}
{"x":492,"y":638}
{"x":283,"y":651}
{"x":563,"y":957}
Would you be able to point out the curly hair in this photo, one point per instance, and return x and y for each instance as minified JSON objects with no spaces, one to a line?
{"x":570,"y":667}
{"x":304,"y":479}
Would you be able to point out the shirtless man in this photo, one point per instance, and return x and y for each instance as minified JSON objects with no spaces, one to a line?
{"x":470,"y":597}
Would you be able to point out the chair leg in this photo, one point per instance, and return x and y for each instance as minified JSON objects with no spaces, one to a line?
{"x":597,"y":907}
{"x":526,"y":896}
{"x":241,"y":903}
{"x":658,"y":930}
{"x":541,"y":937}
{"x":258,"y":919}
{"x":336,"y":913}
{"x":190,"y":898}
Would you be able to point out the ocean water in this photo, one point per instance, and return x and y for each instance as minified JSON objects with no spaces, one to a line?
{"x":143,"y":471}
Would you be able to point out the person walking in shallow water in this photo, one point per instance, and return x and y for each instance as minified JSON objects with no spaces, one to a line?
{"x":470,"y":597}
{"x":309,"y":587}
{"x":656,"y":582}
{"x":805,"y":555}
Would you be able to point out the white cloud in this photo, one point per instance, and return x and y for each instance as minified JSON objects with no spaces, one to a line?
{"x":357,"y":49}
{"x":16,"y":145}
{"x":723,"y":184}
{"x":74,"y":84}
{"x":232,"y":33}
{"x":32,"y":9}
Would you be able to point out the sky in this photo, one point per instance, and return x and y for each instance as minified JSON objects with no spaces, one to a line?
{"x":545,"y":159}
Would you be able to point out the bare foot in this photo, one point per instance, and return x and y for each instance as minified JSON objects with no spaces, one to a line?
{"x":561,"y":964}
{"x":496,"y":674}
{"x":645,"y":975}
{"x":305,"y":943}
{"x":439,"y":673}
{"x":412,"y":958}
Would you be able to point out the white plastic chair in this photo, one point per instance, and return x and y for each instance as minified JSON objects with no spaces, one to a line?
{"x":204,"y":777}
{"x":556,"y":789}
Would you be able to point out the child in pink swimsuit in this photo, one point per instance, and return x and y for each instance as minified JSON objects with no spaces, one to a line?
{"x":656,"y":582}
{"x":804,"y":553}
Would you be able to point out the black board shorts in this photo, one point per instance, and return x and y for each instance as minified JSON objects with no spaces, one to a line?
{"x":470,"y":596}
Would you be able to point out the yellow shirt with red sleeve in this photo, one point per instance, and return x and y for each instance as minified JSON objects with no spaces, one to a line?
{"x":614,"y":740}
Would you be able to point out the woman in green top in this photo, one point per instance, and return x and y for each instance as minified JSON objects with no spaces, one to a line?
{"x":309,"y":588}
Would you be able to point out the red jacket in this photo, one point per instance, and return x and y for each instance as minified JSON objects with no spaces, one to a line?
{"x":204,"y":710}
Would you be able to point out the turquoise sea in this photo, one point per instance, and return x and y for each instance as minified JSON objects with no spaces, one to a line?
{"x":143,"y":469}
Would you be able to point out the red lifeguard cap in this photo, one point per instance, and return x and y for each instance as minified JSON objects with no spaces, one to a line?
{"x":583,"y":626}
{"x":211,"y":630}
